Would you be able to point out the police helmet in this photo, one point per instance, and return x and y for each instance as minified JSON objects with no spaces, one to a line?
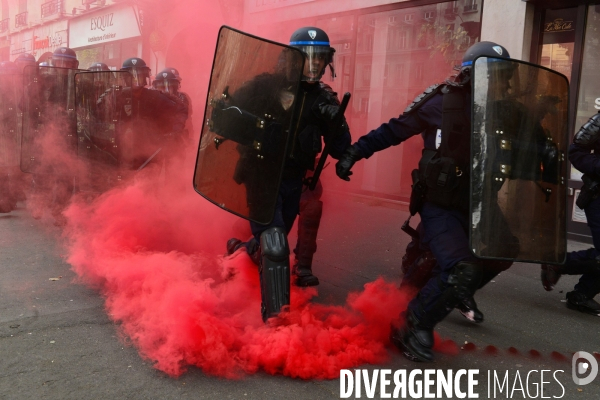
{"x":174,"y":71}
{"x":139,"y":71}
{"x":166,"y":81}
{"x":98,"y":66}
{"x":64,"y":57}
{"x":314,"y":43}
{"x":483,"y":49}
{"x":25,"y":59}
{"x":8,"y":67}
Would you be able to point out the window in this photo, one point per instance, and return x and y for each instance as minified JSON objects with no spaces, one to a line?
{"x":470,"y":6}
{"x":428,"y":15}
{"x":367,"y":74}
{"x":408,"y":18}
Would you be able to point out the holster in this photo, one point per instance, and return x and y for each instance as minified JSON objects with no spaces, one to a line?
{"x":446,"y":183}
{"x":417,"y":195}
{"x":589,"y":191}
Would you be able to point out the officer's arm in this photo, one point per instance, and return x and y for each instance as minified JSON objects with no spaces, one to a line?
{"x":392,"y":133}
{"x":586,"y":140}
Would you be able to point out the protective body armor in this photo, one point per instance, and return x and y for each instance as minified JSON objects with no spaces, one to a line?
{"x":443,"y":177}
{"x":308,"y":127}
{"x":587,"y":137}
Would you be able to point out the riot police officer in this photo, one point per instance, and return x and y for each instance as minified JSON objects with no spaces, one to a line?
{"x":50,"y":97}
{"x":444,"y":219}
{"x":317,"y":106}
{"x":24,"y":60}
{"x":64,"y":57}
{"x":175,"y":89}
{"x":584,"y":154}
{"x":9,"y":134}
{"x":149,"y":119}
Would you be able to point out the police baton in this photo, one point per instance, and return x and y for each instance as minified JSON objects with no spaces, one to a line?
{"x":338,"y":124}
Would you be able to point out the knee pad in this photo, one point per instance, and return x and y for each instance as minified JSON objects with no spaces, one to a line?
{"x":465,"y":278}
{"x":274,"y":245}
{"x":274,"y":272}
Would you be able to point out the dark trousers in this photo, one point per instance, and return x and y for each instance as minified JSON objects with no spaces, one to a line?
{"x":286,"y":208}
{"x":444,"y":232}
{"x":587,"y":262}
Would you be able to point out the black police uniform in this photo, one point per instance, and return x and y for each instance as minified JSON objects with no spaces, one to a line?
{"x":444,"y":219}
{"x":584,"y":154}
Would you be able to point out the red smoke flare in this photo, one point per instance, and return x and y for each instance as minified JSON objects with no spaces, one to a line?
{"x":154,"y":250}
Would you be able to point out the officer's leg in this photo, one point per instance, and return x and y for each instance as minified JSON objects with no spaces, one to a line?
{"x":274,"y":272}
{"x":419,"y":265}
{"x":585,"y":262}
{"x":306,"y":245}
{"x":445,"y":234}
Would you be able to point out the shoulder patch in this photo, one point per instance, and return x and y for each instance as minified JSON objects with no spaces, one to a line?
{"x":420,"y":99}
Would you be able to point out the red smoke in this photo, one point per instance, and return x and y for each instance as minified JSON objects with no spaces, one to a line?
{"x":154,"y":251}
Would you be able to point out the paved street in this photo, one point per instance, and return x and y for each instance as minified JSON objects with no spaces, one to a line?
{"x":57,"y":342}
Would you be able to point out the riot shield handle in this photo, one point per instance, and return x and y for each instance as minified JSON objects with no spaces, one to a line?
{"x":338,"y":123}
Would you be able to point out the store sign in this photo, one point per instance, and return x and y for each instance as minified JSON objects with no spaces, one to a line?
{"x":56,"y":40}
{"x":559,"y":25}
{"x":106,"y":25}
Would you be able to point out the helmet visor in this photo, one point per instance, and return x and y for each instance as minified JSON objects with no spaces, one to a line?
{"x":166,"y":86}
{"x":317,"y":59}
{"x":140,"y":77}
{"x":65,"y":62}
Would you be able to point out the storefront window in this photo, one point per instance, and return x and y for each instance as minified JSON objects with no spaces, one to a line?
{"x":588,"y":102}
{"x":558,"y":44}
{"x":112,"y":54}
{"x":399,"y":54}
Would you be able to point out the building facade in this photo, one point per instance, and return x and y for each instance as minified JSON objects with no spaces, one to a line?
{"x":387,"y":52}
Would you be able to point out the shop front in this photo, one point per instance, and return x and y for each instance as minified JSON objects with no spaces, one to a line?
{"x":110,"y":35}
{"x":39,"y":41}
{"x":386,"y":55}
{"x":566,"y":38}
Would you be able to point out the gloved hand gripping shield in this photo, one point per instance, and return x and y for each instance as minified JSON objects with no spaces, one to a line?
{"x":49,"y":119}
{"x":518,"y":153}
{"x":102,"y":101}
{"x":248,"y":116}
{"x":10,"y":121}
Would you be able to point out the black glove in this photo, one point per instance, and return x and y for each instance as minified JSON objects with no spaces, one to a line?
{"x":342,"y":167}
{"x":329,"y":112}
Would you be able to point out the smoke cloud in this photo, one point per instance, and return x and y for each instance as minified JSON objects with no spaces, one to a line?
{"x":154,"y":250}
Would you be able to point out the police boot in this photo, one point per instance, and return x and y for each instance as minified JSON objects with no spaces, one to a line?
{"x":233,"y":245}
{"x":413,"y":340}
{"x":251,"y":246}
{"x":550,"y":276}
{"x":468,"y":308}
{"x":580,"y":302}
{"x":308,"y":227}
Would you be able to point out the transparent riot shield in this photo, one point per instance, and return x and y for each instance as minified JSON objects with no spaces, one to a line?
{"x":248,"y":116}
{"x":49,"y":128}
{"x":101,"y":98}
{"x":10,"y":131}
{"x":519,"y":146}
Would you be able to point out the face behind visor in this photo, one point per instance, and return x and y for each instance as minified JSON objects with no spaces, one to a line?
{"x":139,"y":77}
{"x":318,"y":53}
{"x":316,"y":60}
